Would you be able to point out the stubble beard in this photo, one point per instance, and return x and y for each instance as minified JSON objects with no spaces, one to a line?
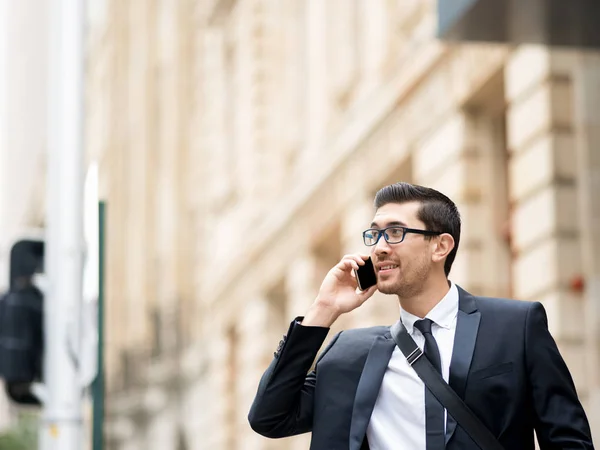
{"x":407,"y":285}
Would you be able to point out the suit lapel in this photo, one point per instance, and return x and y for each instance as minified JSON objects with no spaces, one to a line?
{"x":467,"y":326}
{"x":368,"y":387}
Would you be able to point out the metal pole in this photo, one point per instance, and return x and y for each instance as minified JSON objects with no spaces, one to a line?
{"x":62,"y":416}
{"x":98,"y":386}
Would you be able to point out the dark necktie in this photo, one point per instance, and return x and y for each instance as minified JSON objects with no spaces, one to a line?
{"x":434,"y":411}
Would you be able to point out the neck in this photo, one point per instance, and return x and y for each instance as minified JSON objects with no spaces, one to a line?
{"x":432,"y":293}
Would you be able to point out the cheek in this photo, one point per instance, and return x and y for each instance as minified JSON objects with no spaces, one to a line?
{"x":415,"y":259}
{"x":407,"y":254}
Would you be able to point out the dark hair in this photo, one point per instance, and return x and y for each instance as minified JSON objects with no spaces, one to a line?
{"x":437,"y":211}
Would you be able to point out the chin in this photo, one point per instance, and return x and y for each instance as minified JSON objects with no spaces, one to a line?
{"x":387,"y":288}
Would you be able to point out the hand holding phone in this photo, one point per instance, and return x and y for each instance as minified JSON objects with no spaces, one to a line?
{"x":338,"y":294}
{"x":365,"y":275}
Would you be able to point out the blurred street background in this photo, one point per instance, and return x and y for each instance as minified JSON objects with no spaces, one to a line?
{"x":239,"y":144}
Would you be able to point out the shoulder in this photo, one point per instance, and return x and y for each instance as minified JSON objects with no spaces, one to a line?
{"x":361,"y":334}
{"x":509,"y":312}
{"x":502,"y":304}
{"x":358,"y":339}
{"x":352,"y":345}
{"x":497,"y":306}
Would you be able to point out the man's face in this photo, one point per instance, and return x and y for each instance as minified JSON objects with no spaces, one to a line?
{"x":402,"y":268}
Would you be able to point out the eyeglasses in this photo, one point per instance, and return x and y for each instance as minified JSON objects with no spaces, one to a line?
{"x":392,"y":235}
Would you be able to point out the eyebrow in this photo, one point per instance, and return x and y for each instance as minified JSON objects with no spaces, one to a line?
{"x":389,"y":224}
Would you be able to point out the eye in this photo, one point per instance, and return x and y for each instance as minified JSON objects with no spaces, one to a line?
{"x":372,"y":234}
{"x":396,"y":232}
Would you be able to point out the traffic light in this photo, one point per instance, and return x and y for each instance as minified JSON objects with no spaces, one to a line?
{"x":21,"y":323}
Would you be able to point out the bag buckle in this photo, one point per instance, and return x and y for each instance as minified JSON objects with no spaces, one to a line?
{"x":414,"y":355}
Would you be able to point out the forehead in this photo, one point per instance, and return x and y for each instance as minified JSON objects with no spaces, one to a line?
{"x":398,"y":213}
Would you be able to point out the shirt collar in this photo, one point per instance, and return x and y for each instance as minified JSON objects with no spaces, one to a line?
{"x":442,"y":314}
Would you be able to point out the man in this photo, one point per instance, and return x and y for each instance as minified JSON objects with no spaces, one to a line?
{"x":496,"y":354}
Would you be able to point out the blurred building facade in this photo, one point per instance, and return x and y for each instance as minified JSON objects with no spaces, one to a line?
{"x":240,"y":145}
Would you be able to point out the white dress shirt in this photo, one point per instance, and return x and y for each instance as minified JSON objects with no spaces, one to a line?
{"x":398,"y":419}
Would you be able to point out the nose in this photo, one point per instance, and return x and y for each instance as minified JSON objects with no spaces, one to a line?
{"x":382,"y":247}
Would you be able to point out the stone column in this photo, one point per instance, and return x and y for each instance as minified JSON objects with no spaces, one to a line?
{"x":167,"y":204}
{"x":216,"y":422}
{"x":117,"y":312}
{"x":458,"y":159}
{"x":543,"y":191}
{"x":139,"y":164}
{"x":185,"y":175}
{"x":244,"y":32}
{"x":317,"y":107}
{"x":586,"y":81}
{"x":488,"y":241}
{"x":372,"y":43}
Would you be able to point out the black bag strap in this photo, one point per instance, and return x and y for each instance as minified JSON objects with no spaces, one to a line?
{"x":455,"y":406}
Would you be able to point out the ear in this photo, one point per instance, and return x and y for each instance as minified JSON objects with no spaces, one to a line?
{"x":442,"y":246}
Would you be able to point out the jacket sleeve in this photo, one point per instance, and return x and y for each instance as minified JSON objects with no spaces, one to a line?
{"x":560,"y":421}
{"x":283,"y":405}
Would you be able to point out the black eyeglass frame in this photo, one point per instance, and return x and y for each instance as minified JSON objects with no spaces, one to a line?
{"x":383,"y":232}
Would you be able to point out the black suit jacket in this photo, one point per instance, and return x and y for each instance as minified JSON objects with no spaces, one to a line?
{"x":505,"y":365}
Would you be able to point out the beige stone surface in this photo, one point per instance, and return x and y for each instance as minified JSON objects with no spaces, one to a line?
{"x":241,"y":143}
{"x":551,"y":157}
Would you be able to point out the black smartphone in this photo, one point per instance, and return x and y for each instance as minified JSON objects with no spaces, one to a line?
{"x":365,"y":275}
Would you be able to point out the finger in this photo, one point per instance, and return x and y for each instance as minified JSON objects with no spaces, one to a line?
{"x":348,"y":264}
{"x":360,"y":259}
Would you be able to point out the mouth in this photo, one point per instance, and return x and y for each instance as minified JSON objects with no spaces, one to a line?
{"x":387,"y":268}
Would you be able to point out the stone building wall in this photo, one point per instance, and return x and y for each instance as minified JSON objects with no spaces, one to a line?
{"x":241,"y":143}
